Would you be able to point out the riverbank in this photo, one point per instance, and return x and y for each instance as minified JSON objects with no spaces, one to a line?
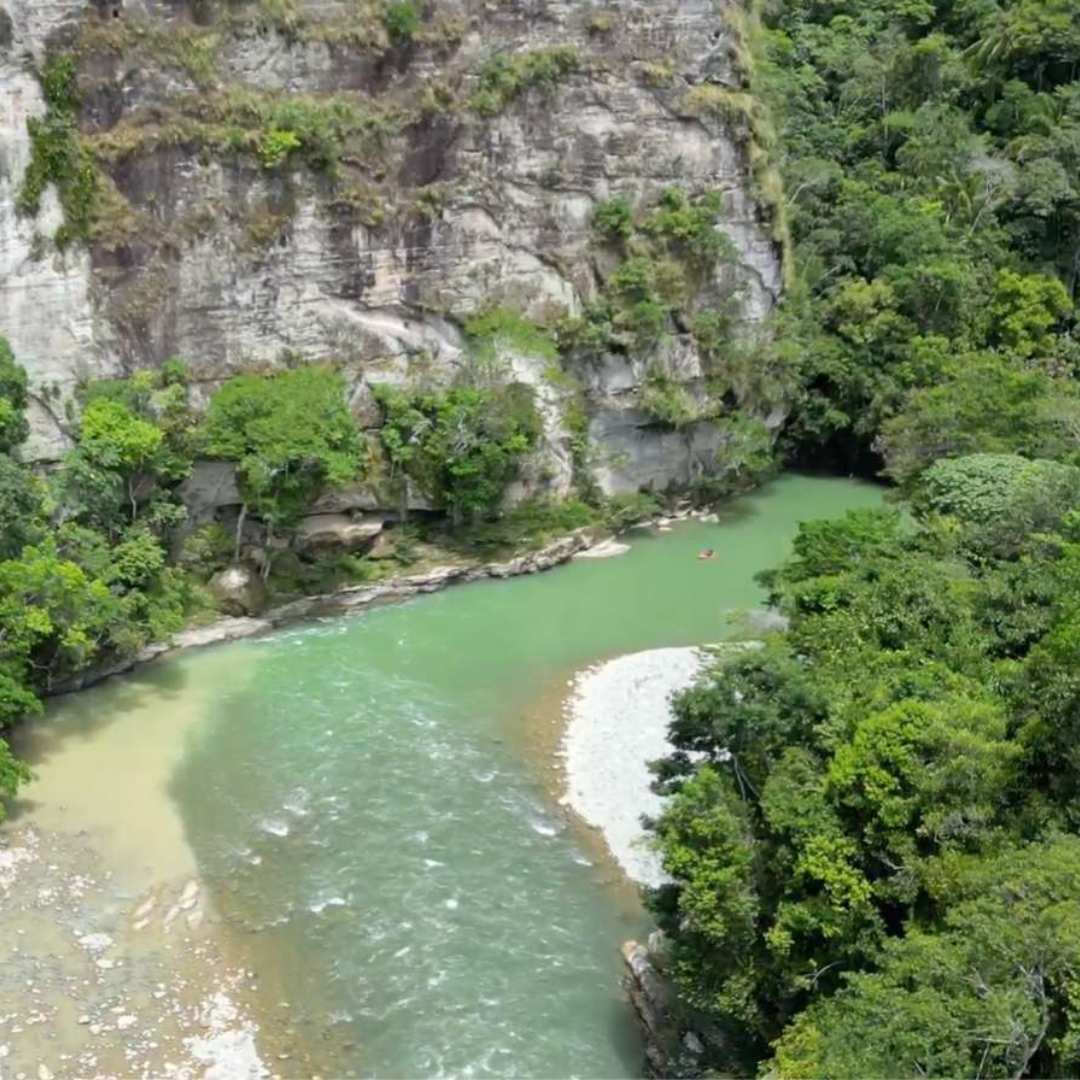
{"x":615,"y":722}
{"x":99,"y":981}
{"x":617,"y":717}
{"x":586,"y":542}
{"x":351,"y":598}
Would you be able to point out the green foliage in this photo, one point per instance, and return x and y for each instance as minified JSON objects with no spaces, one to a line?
{"x":502,"y":328}
{"x":401,"y":19}
{"x":667,"y":401}
{"x":291,"y":435}
{"x":1000,"y":499}
{"x":134,"y":446}
{"x":690,"y":226}
{"x":872,"y":830}
{"x":13,"y":772}
{"x":275,"y":129}
{"x":929,"y":157}
{"x":671,"y":248}
{"x":621,"y":511}
{"x":505,"y":76}
{"x":71,"y":595}
{"x":58,"y":156}
{"x":530,"y":524}
{"x":614,"y":219}
{"x":21,"y":506}
{"x":1024,"y":312}
{"x":276,"y":145}
{"x":992,"y":994}
{"x":983,"y":403}
{"x":13,"y":400}
{"x":460,"y":446}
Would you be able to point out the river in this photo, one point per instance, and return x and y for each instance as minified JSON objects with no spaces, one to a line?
{"x":372,"y":805}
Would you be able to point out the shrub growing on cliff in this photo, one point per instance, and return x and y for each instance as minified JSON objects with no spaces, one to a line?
{"x":498,"y":328}
{"x":503,"y":77}
{"x":291,"y":435}
{"x":460,"y":446}
{"x":614,"y":219}
{"x":58,"y":156}
{"x":401,"y":19}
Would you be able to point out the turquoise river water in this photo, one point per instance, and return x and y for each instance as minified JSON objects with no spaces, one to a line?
{"x":372,"y":803}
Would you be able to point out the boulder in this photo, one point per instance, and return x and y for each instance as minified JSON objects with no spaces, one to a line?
{"x":238,"y":590}
{"x":328,"y":531}
{"x":384,"y":547}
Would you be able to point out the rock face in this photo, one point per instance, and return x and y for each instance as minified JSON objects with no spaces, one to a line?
{"x":671,"y":1048}
{"x":321,"y":532}
{"x":411,"y":205}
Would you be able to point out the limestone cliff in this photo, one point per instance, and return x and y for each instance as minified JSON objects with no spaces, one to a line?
{"x":283,"y":181}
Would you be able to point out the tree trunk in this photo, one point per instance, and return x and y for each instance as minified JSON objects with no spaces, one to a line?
{"x":268,"y":561}
{"x":239,"y":533}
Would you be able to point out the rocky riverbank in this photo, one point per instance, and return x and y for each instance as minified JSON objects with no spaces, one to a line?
{"x":617,"y":722}
{"x":349,"y":599}
{"x":99,"y":980}
{"x":617,"y":719}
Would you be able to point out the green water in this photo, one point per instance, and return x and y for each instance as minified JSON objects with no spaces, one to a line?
{"x":369,"y":799}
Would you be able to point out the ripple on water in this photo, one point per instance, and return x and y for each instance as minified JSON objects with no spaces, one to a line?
{"x":274,"y":826}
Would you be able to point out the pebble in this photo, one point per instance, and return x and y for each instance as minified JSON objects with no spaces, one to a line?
{"x":44,"y":1072}
{"x":145,"y":908}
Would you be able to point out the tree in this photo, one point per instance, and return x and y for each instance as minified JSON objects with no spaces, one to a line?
{"x":20,"y":507}
{"x":117,"y":451}
{"x":461,"y":446}
{"x":986,"y":404}
{"x":13,"y":772}
{"x":1001,"y":499}
{"x":844,"y":800}
{"x":990,"y":995}
{"x":13,"y":399}
{"x":291,"y":435}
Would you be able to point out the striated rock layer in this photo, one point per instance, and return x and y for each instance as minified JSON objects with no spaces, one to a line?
{"x":213,"y":246}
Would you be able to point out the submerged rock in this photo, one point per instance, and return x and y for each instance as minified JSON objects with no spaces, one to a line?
{"x":238,"y":591}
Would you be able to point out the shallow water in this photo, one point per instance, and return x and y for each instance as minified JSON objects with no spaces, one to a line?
{"x":366,"y":800}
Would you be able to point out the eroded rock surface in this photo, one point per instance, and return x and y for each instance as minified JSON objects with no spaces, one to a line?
{"x":210,"y":247}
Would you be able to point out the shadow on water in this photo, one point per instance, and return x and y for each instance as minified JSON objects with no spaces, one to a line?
{"x":82,"y":717}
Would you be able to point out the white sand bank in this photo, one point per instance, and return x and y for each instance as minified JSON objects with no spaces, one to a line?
{"x":617,"y":720}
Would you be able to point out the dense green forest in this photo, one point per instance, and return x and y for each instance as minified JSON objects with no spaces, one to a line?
{"x":873,"y":835}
